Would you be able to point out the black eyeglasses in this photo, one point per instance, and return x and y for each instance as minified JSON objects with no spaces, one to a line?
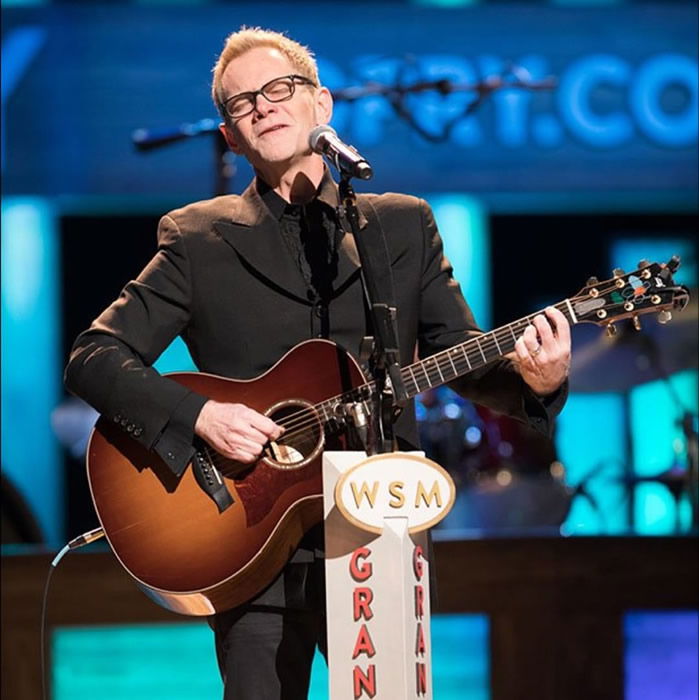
{"x":277,"y":90}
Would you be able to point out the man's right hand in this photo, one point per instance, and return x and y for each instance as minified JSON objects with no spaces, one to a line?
{"x":235,"y":431}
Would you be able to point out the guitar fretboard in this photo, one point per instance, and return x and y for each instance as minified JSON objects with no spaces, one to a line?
{"x":474,"y":353}
{"x":449,"y":364}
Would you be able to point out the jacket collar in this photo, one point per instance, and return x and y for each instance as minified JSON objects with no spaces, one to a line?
{"x":254,"y":232}
{"x":327,"y":195}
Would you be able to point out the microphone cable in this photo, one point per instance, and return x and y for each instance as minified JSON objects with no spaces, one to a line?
{"x":76,"y":542}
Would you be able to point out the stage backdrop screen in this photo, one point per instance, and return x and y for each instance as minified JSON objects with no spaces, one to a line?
{"x":609,"y":119}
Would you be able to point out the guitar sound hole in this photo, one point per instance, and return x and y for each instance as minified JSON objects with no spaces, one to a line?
{"x":303,"y":438}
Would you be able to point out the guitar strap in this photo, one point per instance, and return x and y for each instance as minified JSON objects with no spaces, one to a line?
{"x":379,"y":262}
{"x":379,"y":293}
{"x":383,"y":303}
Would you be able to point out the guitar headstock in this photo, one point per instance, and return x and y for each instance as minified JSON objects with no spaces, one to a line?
{"x":649,"y":289}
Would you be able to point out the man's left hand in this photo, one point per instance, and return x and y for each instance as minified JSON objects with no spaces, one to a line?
{"x":542,"y":352}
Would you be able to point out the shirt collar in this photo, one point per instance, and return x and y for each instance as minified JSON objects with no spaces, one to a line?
{"x":326,"y":194}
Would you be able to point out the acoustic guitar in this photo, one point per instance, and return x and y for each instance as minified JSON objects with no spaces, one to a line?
{"x":193,"y":559}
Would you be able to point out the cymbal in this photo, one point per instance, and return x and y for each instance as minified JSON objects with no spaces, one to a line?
{"x":617,"y":364}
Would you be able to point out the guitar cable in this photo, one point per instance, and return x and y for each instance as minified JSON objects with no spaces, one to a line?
{"x":76,"y":542}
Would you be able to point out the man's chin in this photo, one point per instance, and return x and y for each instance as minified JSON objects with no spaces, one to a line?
{"x":277,"y":154}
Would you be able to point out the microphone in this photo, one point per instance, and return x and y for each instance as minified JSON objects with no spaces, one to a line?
{"x":324,"y":140}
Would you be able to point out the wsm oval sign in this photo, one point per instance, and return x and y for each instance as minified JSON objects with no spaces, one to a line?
{"x":395,"y":485}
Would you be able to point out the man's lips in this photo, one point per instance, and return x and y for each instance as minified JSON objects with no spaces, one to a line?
{"x":272,"y":129}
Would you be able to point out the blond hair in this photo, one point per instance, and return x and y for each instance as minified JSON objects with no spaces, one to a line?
{"x":247,"y":38}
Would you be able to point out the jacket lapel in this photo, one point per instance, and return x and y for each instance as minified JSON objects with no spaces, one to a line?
{"x":254,"y":232}
{"x":255,"y":235}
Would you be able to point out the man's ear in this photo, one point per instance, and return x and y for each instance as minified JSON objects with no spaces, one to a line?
{"x":228,"y":134}
{"x":324,"y":106}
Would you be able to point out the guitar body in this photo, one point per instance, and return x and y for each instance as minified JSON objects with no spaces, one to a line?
{"x":169,"y":534}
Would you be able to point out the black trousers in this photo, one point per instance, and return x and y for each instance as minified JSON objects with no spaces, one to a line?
{"x":265,"y":648}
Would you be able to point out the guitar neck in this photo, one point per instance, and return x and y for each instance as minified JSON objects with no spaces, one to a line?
{"x":474,"y":353}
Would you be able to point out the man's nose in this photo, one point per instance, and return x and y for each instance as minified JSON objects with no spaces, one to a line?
{"x":262,"y":106}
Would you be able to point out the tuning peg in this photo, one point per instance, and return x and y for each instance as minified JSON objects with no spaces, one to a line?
{"x":619,"y":275}
{"x":611,"y":330}
{"x":592,"y":283}
{"x":637,"y":323}
{"x":664,"y":316}
{"x":644,"y":264}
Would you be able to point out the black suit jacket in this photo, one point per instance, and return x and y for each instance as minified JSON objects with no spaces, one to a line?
{"x":224,"y":280}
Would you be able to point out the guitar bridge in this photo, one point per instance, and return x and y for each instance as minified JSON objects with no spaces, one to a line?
{"x":210,"y":480}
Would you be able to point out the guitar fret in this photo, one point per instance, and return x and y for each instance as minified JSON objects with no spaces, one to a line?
{"x":436,"y":363}
{"x":497,"y":345}
{"x":431,"y":371}
{"x":485,"y":359}
{"x":412,"y":376}
{"x":453,"y":366}
{"x":521,"y":325}
{"x":463,"y":350}
{"x":429,"y":383}
{"x":514,"y":337}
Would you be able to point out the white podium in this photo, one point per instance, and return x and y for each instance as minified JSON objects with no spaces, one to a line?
{"x":377,"y":511}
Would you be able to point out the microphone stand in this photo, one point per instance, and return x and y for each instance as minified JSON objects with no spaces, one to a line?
{"x":388,"y":396}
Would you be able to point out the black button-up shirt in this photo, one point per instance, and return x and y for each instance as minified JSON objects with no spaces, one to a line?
{"x":311,"y":232}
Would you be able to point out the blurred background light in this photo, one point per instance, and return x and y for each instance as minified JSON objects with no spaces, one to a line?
{"x":31,"y":367}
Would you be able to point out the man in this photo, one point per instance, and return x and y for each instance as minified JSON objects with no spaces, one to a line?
{"x":245,"y":278}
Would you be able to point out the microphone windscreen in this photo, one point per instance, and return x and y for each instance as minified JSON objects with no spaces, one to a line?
{"x":315,"y":137}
